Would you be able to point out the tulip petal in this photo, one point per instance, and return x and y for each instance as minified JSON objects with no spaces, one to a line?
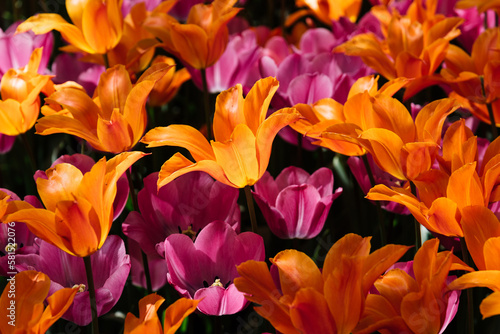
{"x":176,"y":313}
{"x":62,"y":184}
{"x":310,"y":314}
{"x":238,"y":157}
{"x":191,"y":41}
{"x":113,"y":89}
{"x":183,"y":136}
{"x":229,"y":113}
{"x":268,"y":130}
{"x":218,"y":301}
{"x":179,"y":165}
{"x":257,"y":102}
{"x":148,"y":318}
{"x":296,"y":271}
{"x":490,"y":305}
{"x":258,"y":285}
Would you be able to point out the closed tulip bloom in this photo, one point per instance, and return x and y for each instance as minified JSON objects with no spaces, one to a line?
{"x":20,"y":89}
{"x":30,"y":315}
{"x":113,"y":121}
{"x":296,"y":204}
{"x":78,"y":207}
{"x":202,"y":39}
{"x":206,"y":268}
{"x":83,"y":34}
{"x":243,"y":138}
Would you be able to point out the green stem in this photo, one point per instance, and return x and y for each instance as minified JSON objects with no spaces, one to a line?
{"x":31,"y":156}
{"x":494,"y":130}
{"x":93,"y":305}
{"x":135,"y":203}
{"x":206,"y":102}
{"x":470,"y":297}
{"x":380,"y":212}
{"x":106,"y":60}
{"x":418,"y":236}
{"x":251,"y":208}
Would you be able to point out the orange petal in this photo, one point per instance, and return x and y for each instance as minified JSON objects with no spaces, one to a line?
{"x":113,"y":89}
{"x":111,"y":25}
{"x":57,"y":304}
{"x":490,"y":305}
{"x":257,"y":102}
{"x":179,"y":165}
{"x":394,"y":285}
{"x":385,"y":147}
{"x":61,"y":185}
{"x":258,"y":286}
{"x":238,"y":157}
{"x":491,"y":249}
{"x":229,"y":112}
{"x":430,"y":119}
{"x":11,"y":118}
{"x":43,"y":23}
{"x":148,"y":321}
{"x":115,"y":133}
{"x":418,"y":309}
{"x":310,"y":313}
{"x":464,"y":187}
{"x":177,"y":312}
{"x":350,"y":245}
{"x":191,"y":42}
{"x":268,"y":130}
{"x":479,"y":224}
{"x":379,"y":261}
{"x":183,"y":136}
{"x":417,"y":158}
{"x":483,"y":278}
{"x":297,"y":270}
{"x":379,"y":314}
{"x":443,"y":218}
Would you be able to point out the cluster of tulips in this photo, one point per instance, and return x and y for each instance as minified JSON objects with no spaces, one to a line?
{"x":399,"y":100}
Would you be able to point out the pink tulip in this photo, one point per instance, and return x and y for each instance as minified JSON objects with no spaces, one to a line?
{"x":17,"y":48}
{"x":205,"y":269}
{"x":67,"y":67}
{"x":185,"y":205}
{"x":6,"y":143}
{"x":24,"y":239}
{"x":296,"y":204}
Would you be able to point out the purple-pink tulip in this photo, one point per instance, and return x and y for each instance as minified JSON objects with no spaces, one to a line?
{"x":205,"y":269}
{"x":18,"y":234}
{"x":17,"y":48}
{"x":185,"y":205}
{"x":67,"y":67}
{"x":110,"y":267}
{"x":296,"y":204}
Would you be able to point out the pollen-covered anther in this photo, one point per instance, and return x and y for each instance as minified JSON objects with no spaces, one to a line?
{"x":79,"y":287}
{"x":217,"y":283}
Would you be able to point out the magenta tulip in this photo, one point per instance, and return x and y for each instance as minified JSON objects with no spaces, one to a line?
{"x":205,"y":269}
{"x":296,"y":204}
{"x":184,"y":205}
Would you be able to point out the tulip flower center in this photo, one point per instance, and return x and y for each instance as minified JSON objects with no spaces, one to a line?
{"x":11,"y":248}
{"x":189,"y":232}
{"x":79,"y":287}
{"x":217,"y":282}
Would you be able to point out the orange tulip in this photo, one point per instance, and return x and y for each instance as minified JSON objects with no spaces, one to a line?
{"x":113,"y":121}
{"x":83,"y":34}
{"x":411,"y":150}
{"x":20,"y":104}
{"x":243,"y":138}
{"x":202,"y":39}
{"x":474,"y":77}
{"x":418,"y":304}
{"x":330,"y":10}
{"x":148,"y":321}
{"x":414,"y":45}
{"x":167,"y":87}
{"x":314,"y":301}
{"x":337,"y":127}
{"x":482,"y":235}
{"x":482,"y":5}
{"x":78,"y":208}
{"x":23,"y":307}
